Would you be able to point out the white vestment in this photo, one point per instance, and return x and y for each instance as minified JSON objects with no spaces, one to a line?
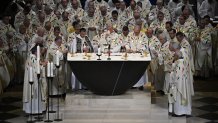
{"x":181,"y":80}
{"x":41,"y":98}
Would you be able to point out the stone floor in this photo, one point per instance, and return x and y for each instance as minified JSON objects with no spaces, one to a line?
{"x":133,"y":107}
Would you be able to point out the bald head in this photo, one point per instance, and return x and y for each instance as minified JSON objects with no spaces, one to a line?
{"x":103,"y":10}
{"x":110,"y":27}
{"x":137,"y":29}
{"x":48,"y":25}
{"x":136,"y":14}
{"x":40,"y":31}
{"x":162,"y":38}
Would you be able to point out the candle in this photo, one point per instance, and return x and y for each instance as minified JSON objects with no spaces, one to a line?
{"x":99,"y":50}
{"x":38,"y":52}
{"x":30,"y":74}
{"x":52,"y":69}
{"x":71,"y":47}
{"x":84,"y":48}
{"x":48,"y":69}
{"x":38,"y":67}
{"x":57,"y":58}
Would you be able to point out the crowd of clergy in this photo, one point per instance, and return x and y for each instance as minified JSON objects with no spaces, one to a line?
{"x":180,"y":47}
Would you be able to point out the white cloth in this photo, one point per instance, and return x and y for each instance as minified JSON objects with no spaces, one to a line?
{"x":142,"y":80}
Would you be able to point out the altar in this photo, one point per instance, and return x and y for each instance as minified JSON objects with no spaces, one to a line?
{"x":108,"y":77}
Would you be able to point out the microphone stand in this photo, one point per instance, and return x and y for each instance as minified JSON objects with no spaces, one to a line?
{"x":31,"y":104}
{"x":58,"y":119}
{"x":48,"y":119}
{"x":39,"y":118}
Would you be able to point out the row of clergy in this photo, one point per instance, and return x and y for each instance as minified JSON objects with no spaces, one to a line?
{"x":17,"y":43}
{"x":171,"y":66}
{"x":96,"y":17}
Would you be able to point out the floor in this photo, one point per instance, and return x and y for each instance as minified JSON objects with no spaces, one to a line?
{"x":133,"y":107}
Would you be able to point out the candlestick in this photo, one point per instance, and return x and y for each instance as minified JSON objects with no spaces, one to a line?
{"x":30,"y":74}
{"x":57,"y":58}
{"x":38,"y":52}
{"x":38,"y":67}
{"x":52,"y":68}
{"x":49,"y":69}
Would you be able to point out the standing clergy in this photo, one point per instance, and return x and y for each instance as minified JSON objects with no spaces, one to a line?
{"x":159,"y":7}
{"x":181,"y":88}
{"x":5,"y":64}
{"x":137,"y":42}
{"x":90,"y":22}
{"x":21,"y":44}
{"x":159,"y":78}
{"x":154,"y":46}
{"x":159,"y":23}
{"x":187,"y":48}
{"x":38,"y":37}
{"x":5,"y":25}
{"x":186,"y":23}
{"x":122,"y":38}
{"x":110,"y":37}
{"x":207,"y":8}
{"x":32,"y":66}
{"x":132,"y":8}
{"x":56,"y":52}
{"x":76,"y":12}
{"x":80,"y":44}
{"x":203,"y":62}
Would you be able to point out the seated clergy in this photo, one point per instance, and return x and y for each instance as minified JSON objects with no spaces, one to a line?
{"x":81,"y":43}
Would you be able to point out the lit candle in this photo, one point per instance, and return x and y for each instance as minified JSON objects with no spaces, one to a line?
{"x":52,"y":68}
{"x":48,"y":69}
{"x":57,"y":58}
{"x":99,"y":50}
{"x":38,"y":52}
{"x":30,"y":74}
{"x":38,"y":67}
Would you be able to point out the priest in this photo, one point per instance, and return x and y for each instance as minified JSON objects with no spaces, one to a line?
{"x":181,"y":87}
{"x":32,"y":68}
{"x":80,"y":44}
{"x":56,"y":52}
